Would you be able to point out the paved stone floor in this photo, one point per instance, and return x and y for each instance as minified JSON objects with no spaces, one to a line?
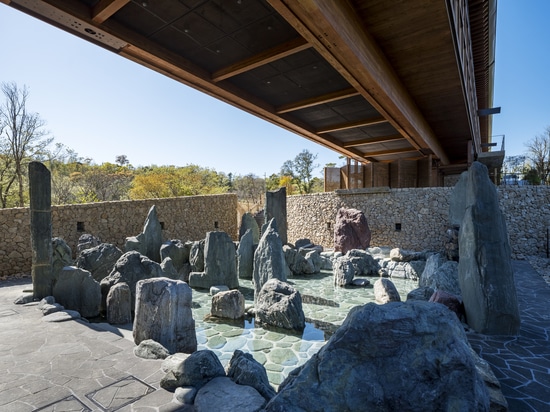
{"x":78,"y":366}
{"x":522,"y":363}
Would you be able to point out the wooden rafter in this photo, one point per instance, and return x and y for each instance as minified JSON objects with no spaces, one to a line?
{"x":391,"y":152}
{"x":315,"y":101}
{"x":378,"y":140}
{"x":339,"y":36}
{"x":106,"y":8}
{"x":352,"y":125}
{"x":275,"y":53}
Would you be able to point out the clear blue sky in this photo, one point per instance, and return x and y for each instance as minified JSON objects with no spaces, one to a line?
{"x":102,"y":105}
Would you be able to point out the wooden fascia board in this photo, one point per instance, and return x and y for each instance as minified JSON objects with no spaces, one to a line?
{"x":275,"y":53}
{"x":364,"y":142}
{"x":318,"y":100}
{"x":106,"y":8}
{"x":338,"y":35}
{"x":353,"y":125}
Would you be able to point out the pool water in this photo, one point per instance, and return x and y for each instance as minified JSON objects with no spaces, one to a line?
{"x":325,"y":307}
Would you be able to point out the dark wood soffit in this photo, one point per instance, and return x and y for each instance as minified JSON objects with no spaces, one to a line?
{"x":268,"y":56}
{"x":151,"y":55}
{"x":338,"y":35}
{"x":371,"y":141}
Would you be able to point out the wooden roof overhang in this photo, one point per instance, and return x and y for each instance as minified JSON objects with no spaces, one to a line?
{"x":374,"y":80}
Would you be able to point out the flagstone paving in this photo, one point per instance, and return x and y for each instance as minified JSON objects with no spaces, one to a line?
{"x":81,"y":366}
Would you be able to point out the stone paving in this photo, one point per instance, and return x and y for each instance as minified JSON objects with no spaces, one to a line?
{"x":80,"y":366}
{"x":522,"y":363}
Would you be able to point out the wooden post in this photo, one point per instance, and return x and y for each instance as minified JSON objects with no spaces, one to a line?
{"x":41,"y":229}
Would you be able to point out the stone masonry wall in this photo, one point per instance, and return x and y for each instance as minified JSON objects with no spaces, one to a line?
{"x":422,"y":216}
{"x":184,"y":218}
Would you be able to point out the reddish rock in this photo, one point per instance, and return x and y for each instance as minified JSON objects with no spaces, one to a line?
{"x":453,"y":302}
{"x":351,"y":230}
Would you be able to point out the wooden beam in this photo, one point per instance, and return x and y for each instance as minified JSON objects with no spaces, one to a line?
{"x":352,"y":125}
{"x":106,"y":8}
{"x":275,"y":53}
{"x":340,"y":37}
{"x":315,"y":101}
{"x":391,"y":152}
{"x":364,"y":142}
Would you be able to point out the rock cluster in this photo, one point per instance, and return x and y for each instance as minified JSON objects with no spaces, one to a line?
{"x":200,"y":380}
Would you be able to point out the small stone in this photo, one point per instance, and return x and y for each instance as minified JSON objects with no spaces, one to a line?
{"x":217,"y":289}
{"x":149,"y":349}
{"x":62,"y":316}
{"x":360,"y":282}
{"x":185,"y":394}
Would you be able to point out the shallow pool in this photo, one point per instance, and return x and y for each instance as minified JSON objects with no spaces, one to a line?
{"x":325,"y":308}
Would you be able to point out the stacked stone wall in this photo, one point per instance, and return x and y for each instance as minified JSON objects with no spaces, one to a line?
{"x":184,"y":218}
{"x":418,"y":218}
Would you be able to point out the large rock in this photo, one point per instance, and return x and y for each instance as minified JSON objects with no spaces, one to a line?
{"x":223,"y":395}
{"x":385,"y":291}
{"x":297,"y":262}
{"x":269,"y":259}
{"x":351,"y":230}
{"x":485,"y":269}
{"x":179,"y":253}
{"x":87,"y":241}
{"x":343,"y":271}
{"x":395,"y":357}
{"x":441,"y":274}
{"x":249,"y":223}
{"x":99,"y":260}
{"x":163,"y":313}
{"x":119,"y":304}
{"x":149,"y":241}
{"x":196,"y":256}
{"x":61,"y":255}
{"x":77,"y":290}
{"x":275,"y":208}
{"x":245,"y":255}
{"x":228,"y":304}
{"x":280,"y":305}
{"x":195,"y":370}
{"x":130,"y":268}
{"x":245,"y":370}
{"x":355,"y":262}
{"x":220,"y":263}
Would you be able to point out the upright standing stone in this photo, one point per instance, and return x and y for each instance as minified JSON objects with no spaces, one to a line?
{"x":269,"y":259}
{"x":163,"y":313}
{"x":275,"y":208}
{"x":249,"y":223}
{"x":76,"y":289}
{"x":245,"y":255}
{"x":351,"y":230}
{"x":220,"y":263}
{"x":149,"y":241}
{"x":119,"y":304}
{"x":485,"y":269}
{"x":41,"y":229}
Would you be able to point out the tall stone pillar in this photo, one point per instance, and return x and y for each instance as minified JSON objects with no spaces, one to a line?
{"x":275,"y":207}
{"x":41,"y":229}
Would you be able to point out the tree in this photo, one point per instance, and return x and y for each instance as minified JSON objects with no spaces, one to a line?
{"x":250,"y":188}
{"x":122,"y":160}
{"x":301,"y":170}
{"x":22,"y":134}
{"x":539,"y":154}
